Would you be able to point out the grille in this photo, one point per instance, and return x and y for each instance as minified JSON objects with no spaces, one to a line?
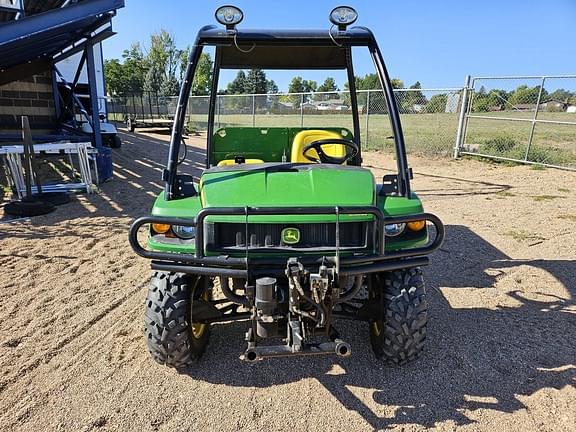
{"x":232,"y":236}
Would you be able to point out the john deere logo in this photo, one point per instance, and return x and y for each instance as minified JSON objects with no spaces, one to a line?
{"x":290,"y":235}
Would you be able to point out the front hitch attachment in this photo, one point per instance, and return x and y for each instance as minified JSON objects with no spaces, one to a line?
{"x":338,"y":347}
{"x":310,"y":298}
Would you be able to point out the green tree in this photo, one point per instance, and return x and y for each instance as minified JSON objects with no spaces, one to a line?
{"x":271,"y":87}
{"x":256,"y":82}
{"x":116,"y":80}
{"x":202,"y":76}
{"x":165,"y":61}
{"x":238,"y":84}
{"x":310,"y":86}
{"x":135,"y":67}
{"x":437,"y":103}
{"x":299,"y":85}
{"x":329,"y":85}
{"x":407,"y":100}
{"x":526,"y":95}
{"x":377,"y":99}
{"x":170,"y":86}
{"x":183,"y":59}
{"x":397,"y":83}
{"x":154,"y":79}
{"x":296,"y":85}
{"x":560,"y":95}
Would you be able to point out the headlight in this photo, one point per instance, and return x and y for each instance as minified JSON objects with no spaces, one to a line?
{"x":343,"y":16}
{"x":184,"y":232}
{"x":393,"y":230}
{"x":229,"y":16}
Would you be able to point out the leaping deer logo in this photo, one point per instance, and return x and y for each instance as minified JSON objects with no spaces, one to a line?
{"x":290,"y":235}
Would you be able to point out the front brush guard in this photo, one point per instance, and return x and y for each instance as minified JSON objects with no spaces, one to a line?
{"x":198,"y":263}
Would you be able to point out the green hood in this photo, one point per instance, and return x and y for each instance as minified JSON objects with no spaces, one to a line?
{"x":287,"y":185}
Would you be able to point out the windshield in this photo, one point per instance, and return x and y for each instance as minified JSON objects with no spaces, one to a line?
{"x":290,"y":98}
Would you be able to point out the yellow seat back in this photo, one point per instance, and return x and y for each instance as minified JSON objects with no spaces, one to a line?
{"x":228,"y":162}
{"x":305,"y":137}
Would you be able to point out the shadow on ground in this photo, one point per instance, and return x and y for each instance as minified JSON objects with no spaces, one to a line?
{"x":475,"y":357}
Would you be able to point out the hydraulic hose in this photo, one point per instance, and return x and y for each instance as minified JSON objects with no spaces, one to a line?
{"x":230,"y":295}
{"x":352,"y":292}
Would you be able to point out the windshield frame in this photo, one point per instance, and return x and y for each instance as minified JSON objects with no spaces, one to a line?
{"x":217,"y":37}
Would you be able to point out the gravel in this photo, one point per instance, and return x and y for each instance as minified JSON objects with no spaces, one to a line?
{"x":501,"y":352}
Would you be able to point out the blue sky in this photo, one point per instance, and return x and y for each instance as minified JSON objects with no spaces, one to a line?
{"x":434,"y":42}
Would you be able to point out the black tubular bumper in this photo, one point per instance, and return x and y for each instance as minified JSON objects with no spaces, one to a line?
{"x":247,"y":267}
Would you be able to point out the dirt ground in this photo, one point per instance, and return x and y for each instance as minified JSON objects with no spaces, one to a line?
{"x":501,"y":351}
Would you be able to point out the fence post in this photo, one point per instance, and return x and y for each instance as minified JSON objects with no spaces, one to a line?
{"x":302,"y":110}
{"x":531,"y":136}
{"x":461,"y":119}
{"x":253,"y":110}
{"x":367,"y":115}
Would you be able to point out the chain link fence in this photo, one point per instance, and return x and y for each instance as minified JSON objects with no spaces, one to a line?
{"x":429,"y":116}
{"x":520,"y":119}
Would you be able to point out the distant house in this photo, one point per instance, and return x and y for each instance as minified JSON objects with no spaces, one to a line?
{"x":571,"y":109}
{"x":525,"y":107}
{"x":282,"y":106}
{"x":308,"y":106}
{"x":330,"y":105}
{"x":553,"y":105}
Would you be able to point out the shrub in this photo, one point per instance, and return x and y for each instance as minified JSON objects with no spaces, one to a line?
{"x":498,"y":144}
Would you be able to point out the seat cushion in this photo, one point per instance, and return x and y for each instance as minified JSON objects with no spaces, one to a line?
{"x":305,"y":137}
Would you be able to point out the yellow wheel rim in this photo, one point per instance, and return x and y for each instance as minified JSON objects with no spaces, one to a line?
{"x":376,"y":328}
{"x":198,"y":329}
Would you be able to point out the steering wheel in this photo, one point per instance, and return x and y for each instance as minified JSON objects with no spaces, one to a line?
{"x":324,"y":158}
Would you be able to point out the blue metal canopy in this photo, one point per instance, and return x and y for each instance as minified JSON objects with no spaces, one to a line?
{"x":40,"y":38}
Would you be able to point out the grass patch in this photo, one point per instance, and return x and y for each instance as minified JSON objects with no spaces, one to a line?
{"x":540,"y":198}
{"x":498,"y":144}
{"x":507,"y":146}
{"x":563,"y":190}
{"x":522,"y":235}
{"x":505,"y":193}
{"x":569,"y":217}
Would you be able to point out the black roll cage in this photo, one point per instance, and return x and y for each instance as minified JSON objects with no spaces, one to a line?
{"x":215,"y":36}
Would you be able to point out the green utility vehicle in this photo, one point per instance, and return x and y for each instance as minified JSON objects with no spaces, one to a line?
{"x":285,"y":230}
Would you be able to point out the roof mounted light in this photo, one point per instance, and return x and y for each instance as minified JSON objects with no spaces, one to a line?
{"x":343,"y":16}
{"x":230,"y":16}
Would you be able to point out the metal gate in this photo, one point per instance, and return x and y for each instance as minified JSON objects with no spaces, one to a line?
{"x":526,"y":119}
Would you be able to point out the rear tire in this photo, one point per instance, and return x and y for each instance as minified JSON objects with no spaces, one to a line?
{"x":130,"y":124}
{"x":398,"y":336}
{"x":173,"y":338}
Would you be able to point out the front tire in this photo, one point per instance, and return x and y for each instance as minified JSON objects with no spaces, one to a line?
{"x":398,"y":336}
{"x":173,"y":338}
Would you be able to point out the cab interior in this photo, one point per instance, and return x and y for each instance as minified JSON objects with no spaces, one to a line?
{"x":251,"y":145}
